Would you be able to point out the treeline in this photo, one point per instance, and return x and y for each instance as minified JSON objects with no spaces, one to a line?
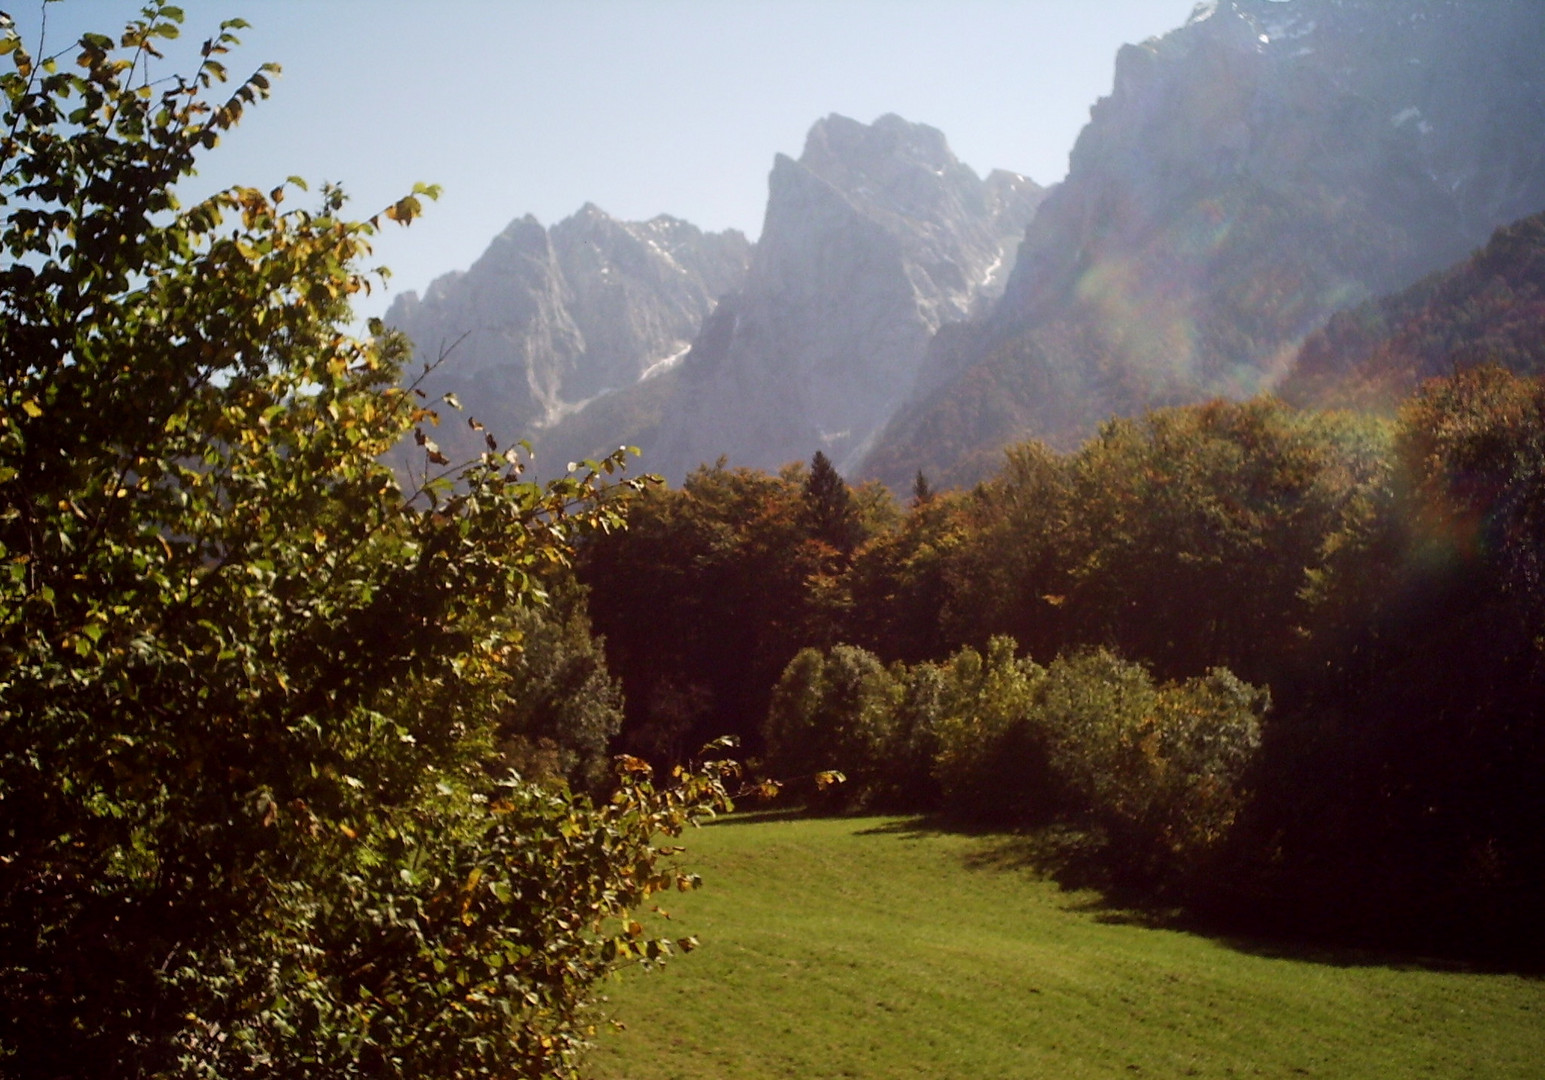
{"x":1116,"y":616}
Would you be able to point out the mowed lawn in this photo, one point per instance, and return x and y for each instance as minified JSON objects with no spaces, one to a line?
{"x":873,"y":948}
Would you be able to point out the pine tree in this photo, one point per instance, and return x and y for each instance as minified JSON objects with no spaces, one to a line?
{"x":830,"y":510}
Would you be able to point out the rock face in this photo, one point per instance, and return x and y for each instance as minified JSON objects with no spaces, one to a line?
{"x":1269,"y":163}
{"x":549,"y":318}
{"x":872,"y":240}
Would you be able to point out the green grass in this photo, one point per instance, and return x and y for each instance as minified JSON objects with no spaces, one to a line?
{"x":870,"y":948}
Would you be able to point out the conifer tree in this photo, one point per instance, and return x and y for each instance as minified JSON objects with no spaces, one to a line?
{"x":831,"y":513}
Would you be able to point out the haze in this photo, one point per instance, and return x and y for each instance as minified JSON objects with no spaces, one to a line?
{"x":670,"y":107}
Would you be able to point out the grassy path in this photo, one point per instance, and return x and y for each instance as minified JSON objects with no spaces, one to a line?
{"x":866,"y":948}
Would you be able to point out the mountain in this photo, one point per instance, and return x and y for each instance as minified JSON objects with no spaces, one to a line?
{"x":1251,"y":173}
{"x":1490,"y":308}
{"x":547,"y":319}
{"x":873,"y":239}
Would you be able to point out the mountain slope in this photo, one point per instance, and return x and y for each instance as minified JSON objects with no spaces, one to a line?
{"x":874,"y":238}
{"x":1490,"y":308}
{"x":549,"y":318}
{"x":1251,"y":173}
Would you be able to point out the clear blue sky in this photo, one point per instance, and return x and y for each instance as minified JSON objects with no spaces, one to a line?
{"x":640,"y":106}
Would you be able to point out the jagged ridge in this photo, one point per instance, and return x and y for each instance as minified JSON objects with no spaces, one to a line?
{"x":1250,"y":173}
{"x":548,"y":319}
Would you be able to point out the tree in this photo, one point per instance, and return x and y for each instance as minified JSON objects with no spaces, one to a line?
{"x":899,"y":583}
{"x":564,"y":707}
{"x":991,"y":764}
{"x":922,"y":490}
{"x":833,"y":712}
{"x":250,"y":820}
{"x":1402,"y":802}
{"x":1008,"y":574}
{"x":1199,"y":531}
{"x":831,"y":514}
{"x":703,"y":602}
{"x":1157,"y":767}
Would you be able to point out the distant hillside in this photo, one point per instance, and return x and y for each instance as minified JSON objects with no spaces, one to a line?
{"x":1490,"y":308}
{"x":1257,"y":170}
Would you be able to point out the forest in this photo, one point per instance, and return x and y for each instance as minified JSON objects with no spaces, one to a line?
{"x":310,"y":765}
{"x":1284,"y":665}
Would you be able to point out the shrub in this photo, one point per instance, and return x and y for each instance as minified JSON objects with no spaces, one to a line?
{"x":834,"y":711}
{"x":992,"y":764}
{"x":251,"y":817}
{"x":1156,"y":767}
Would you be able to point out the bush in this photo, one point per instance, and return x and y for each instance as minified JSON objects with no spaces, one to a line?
{"x":992,"y":764}
{"x":997,"y":739}
{"x":251,"y":817}
{"x":833,"y":712}
{"x":1156,"y":767}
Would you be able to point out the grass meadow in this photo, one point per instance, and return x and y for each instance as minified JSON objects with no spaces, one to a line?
{"x":878,"y":947}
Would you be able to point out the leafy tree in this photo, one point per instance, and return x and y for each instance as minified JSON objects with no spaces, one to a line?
{"x":250,"y":815}
{"x":900,"y":583}
{"x":992,"y":763}
{"x":1009,"y":573}
{"x":1402,"y":801}
{"x":794,"y":718}
{"x":1158,"y":767}
{"x":1199,"y":531}
{"x":833,"y":711}
{"x":908,"y":775}
{"x":564,"y":707}
{"x":704,"y":601}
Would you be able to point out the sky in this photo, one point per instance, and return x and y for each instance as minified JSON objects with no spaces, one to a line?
{"x":639,"y":106}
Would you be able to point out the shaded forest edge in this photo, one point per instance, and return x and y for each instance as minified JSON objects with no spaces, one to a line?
{"x":1280,"y":669}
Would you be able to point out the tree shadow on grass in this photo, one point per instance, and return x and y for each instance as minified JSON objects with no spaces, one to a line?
{"x":1078,"y":861}
{"x":909,"y":828}
{"x":762,"y":816}
{"x":1350,"y":956}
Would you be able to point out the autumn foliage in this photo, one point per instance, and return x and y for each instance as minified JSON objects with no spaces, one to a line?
{"x":257,"y":695}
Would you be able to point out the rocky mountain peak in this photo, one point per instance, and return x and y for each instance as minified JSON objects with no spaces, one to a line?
{"x":902,"y":175}
{"x":547,"y":319}
{"x":1252,"y":172}
{"x":520,"y":247}
{"x":875,"y":237}
{"x":849,"y":153}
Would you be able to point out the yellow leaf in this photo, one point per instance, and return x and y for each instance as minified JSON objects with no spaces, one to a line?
{"x":404,"y":210}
